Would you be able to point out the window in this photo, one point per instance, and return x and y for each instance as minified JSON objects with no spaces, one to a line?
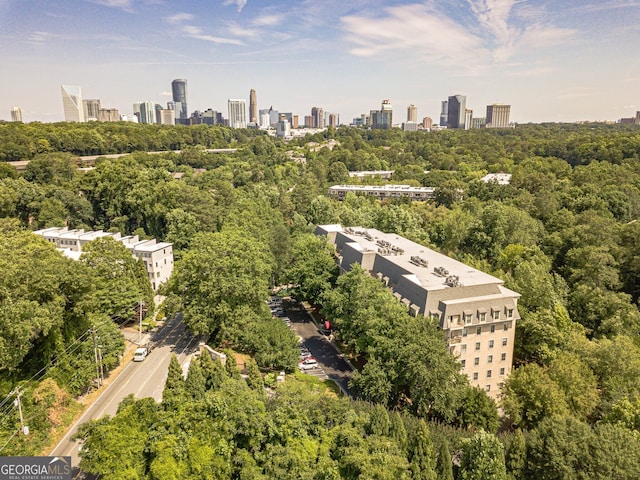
{"x":464,"y":332}
{"x":477,"y":345}
{"x":495,"y":314}
{"x":502,"y":371}
{"x":487,"y":388}
{"x":504,"y":342}
{"x":467,"y":318}
{"x":490,"y":343}
{"x":503,"y":356}
{"x":476,"y":361}
{"x":455,"y":319}
{"x":463,"y":348}
{"x":482,"y":316}
{"x":490,"y":359}
{"x":478,"y":330}
{"x":510,"y":313}
{"x":463,"y":363}
{"x":505,"y":327}
{"x":488,"y":373}
{"x":475,"y":376}
{"x":492,"y":328}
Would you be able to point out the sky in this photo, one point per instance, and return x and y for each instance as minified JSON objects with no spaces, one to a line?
{"x":551,"y":60}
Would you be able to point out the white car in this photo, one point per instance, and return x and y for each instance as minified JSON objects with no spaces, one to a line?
{"x":308,"y":363}
{"x":140,"y":354}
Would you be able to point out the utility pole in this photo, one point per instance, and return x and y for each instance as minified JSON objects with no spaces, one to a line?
{"x":101,"y":365}
{"x":24,"y":429}
{"x":140,"y":315}
{"x":95,"y":355}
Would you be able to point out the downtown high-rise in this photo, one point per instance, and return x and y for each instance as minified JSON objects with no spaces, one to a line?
{"x":456,"y":111}
{"x":253,"y":107}
{"x":72,"y":103}
{"x":498,"y":115}
{"x":179,"y":92}
{"x":237,"y":113}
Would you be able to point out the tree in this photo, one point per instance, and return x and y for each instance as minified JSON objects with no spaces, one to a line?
{"x":444,"y":467}
{"x":482,"y":457}
{"x":423,"y":461}
{"x":196,"y":383}
{"x":516,"y":457}
{"x":174,"y":387}
{"x":313,"y":268}
{"x":254,"y":377}
{"x":477,"y":410}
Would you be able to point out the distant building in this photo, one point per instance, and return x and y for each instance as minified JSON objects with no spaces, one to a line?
{"x":237,"y":113}
{"x":498,"y":115}
{"x":383,"y":174}
{"x":478,"y":122}
{"x":295,"y":123}
{"x":253,"y":107}
{"x":157,"y":257}
{"x":16,"y":114}
{"x":412,"y":113}
{"x":631,"y":121}
{"x":468,"y":118}
{"x":456,"y":111}
{"x":165,"y":117}
{"x":476,"y":312}
{"x":283,"y":128}
{"x":211,"y":117}
{"x":444,"y":113}
{"x":145,"y":112}
{"x":308,"y":121}
{"x":499,"y":178}
{"x":108,"y":115}
{"x":72,"y":103}
{"x":179,"y":95}
{"x":383,"y":118}
{"x":91,"y":109}
{"x":410,"y":126}
{"x":333,"y":119}
{"x":317,"y":117}
{"x":383,"y":192}
{"x":427,"y":123}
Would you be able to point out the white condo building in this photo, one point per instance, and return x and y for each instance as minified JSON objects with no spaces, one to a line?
{"x":475,"y":310}
{"x":156,"y":256}
{"x":237,"y":113}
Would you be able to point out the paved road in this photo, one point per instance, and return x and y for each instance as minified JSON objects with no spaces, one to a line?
{"x":143,"y":379}
{"x":335,"y":367}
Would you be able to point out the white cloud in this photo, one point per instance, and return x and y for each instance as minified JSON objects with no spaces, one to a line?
{"x":236,"y":30}
{"x":239,"y":3}
{"x":178,"y":18}
{"x":268,"y":20}
{"x":196,"y":32}
{"x":123,"y":4}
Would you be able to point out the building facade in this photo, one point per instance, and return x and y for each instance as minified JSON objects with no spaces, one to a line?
{"x":475,"y":311}
{"x":456,"y":111}
{"x":157,"y":257}
{"x":383,"y":118}
{"x":16,"y":114}
{"x":444,"y":113}
{"x":253,"y":107}
{"x":179,"y":95}
{"x":72,"y":103}
{"x":317,"y":117}
{"x":237,"y":113}
{"x":498,"y":116}
{"x":383,"y":192}
{"x":91,"y":109}
{"x":412,"y":113}
{"x":108,"y":115}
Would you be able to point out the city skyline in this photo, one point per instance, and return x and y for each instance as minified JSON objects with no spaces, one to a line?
{"x":538,"y":57}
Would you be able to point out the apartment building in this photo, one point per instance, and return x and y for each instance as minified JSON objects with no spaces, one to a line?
{"x":382,"y":192}
{"x":475,"y":310}
{"x":156,"y":256}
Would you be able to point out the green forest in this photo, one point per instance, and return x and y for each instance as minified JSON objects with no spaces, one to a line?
{"x":564,"y":234}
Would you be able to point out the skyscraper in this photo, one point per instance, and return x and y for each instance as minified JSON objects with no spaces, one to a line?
{"x":145,"y":111}
{"x":444,"y":113}
{"x":179,"y":91}
{"x":253,"y":107}
{"x":456,"y":111}
{"x":382,"y":118}
{"x":498,"y":115}
{"x":91,"y":109}
{"x":72,"y":103}
{"x":16,"y":114}
{"x":237,"y":113}
{"x":412,"y":113}
{"x":317,"y":114}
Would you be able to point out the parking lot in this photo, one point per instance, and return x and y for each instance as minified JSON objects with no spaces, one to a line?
{"x":329,"y":364}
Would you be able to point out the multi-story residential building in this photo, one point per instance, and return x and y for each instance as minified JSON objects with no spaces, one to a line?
{"x":237,"y":113}
{"x":498,"y":115}
{"x":474,"y":309}
{"x":456,"y":111}
{"x":179,"y":95}
{"x":383,"y":192}
{"x":16,"y":114}
{"x":427,"y":123}
{"x":72,"y":103}
{"x":157,"y":257}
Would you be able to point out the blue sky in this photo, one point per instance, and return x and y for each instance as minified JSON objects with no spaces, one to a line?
{"x":554,"y":60}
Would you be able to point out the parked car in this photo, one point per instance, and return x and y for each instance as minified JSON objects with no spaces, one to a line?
{"x":304,"y":353}
{"x":308,"y":363}
{"x":140,"y":354}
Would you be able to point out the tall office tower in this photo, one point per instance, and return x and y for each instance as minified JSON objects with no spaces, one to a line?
{"x":498,"y":115}
{"x":317,"y":115}
{"x":108,"y":115}
{"x":295,"y":123}
{"x":468,"y":118}
{"x":253,"y":107}
{"x":427,"y":123}
{"x":383,"y":118}
{"x":444,"y":113}
{"x":333,"y":119}
{"x":456,"y":111}
{"x":412,"y":113}
{"x":308,"y":121}
{"x":237,"y":113}
{"x":72,"y":103}
{"x":145,"y":111}
{"x":91,"y":109}
{"x":179,"y":91}
{"x":16,"y":114}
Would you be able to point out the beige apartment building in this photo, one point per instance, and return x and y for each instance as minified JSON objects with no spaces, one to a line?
{"x":156,"y":256}
{"x":474,"y":309}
